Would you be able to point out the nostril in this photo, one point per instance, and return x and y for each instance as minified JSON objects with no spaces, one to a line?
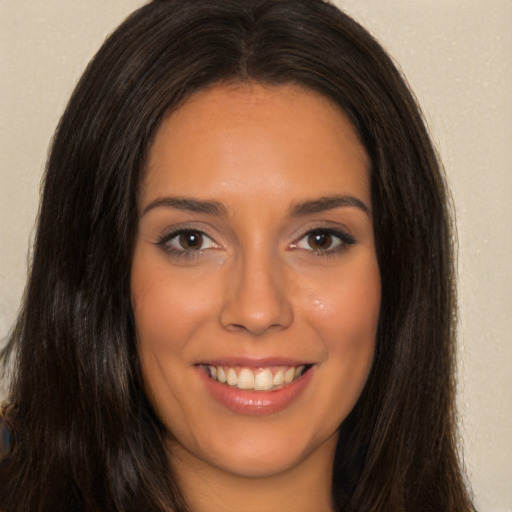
{"x":257,"y":299}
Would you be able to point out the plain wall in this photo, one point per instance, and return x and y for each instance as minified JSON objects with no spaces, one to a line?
{"x":457,"y":56}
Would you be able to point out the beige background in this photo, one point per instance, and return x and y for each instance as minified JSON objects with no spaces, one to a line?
{"x":457,"y":55}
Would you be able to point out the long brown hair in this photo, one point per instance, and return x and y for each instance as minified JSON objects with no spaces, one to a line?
{"x":88,"y":438}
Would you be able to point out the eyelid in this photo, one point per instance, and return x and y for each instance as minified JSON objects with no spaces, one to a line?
{"x":346,"y":239}
{"x":175,"y":231}
{"x":193,"y":231}
{"x":184,"y":227}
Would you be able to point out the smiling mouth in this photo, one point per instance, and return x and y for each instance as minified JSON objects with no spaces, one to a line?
{"x":260,"y":379}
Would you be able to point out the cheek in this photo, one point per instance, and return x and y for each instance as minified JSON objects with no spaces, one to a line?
{"x":347,"y":304}
{"x":342,"y":313}
{"x":168,"y":306}
{"x":345,"y":314}
{"x":168,"y":310}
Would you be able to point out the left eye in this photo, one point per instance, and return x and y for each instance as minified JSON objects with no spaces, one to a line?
{"x":323,"y":240}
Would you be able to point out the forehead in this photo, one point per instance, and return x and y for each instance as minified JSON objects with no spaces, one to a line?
{"x":256,"y":137}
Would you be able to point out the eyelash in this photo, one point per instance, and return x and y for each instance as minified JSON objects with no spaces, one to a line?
{"x":166,"y":239}
{"x":344,"y":241}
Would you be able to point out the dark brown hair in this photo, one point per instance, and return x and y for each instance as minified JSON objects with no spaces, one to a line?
{"x":88,"y":438}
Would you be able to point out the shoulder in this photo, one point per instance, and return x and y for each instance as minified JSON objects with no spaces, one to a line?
{"x":8,"y":440}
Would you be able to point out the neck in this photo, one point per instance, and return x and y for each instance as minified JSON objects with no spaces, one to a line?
{"x":304,"y":487}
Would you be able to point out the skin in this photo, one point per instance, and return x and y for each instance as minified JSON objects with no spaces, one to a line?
{"x":255,"y":286}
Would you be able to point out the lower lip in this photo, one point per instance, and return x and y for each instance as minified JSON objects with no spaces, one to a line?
{"x":256,"y":403}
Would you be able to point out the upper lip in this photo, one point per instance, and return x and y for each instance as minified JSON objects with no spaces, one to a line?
{"x":254,"y":362}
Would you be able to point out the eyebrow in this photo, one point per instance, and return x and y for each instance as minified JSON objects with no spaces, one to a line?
{"x":218,"y":209}
{"x":188,"y":204}
{"x":328,"y":203}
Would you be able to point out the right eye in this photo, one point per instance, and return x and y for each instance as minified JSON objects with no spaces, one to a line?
{"x":186,"y":242}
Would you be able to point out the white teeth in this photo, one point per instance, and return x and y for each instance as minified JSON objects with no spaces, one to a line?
{"x":245,"y":379}
{"x":259,"y":380}
{"x":232,"y":377}
{"x":289,"y":375}
{"x":213,"y":371}
{"x":263,"y":380}
{"x":278,"y":378}
{"x":299,"y":371}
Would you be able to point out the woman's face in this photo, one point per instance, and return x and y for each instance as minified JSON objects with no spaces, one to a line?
{"x":255,"y":263}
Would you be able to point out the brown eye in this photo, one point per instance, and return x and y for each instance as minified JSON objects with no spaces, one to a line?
{"x":320,"y":240}
{"x":191,"y":240}
{"x":186,"y":242}
{"x":325,"y":242}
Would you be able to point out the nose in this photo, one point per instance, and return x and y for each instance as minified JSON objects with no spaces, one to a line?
{"x":256,"y":297}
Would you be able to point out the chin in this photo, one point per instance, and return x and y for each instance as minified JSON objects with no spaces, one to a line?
{"x":264,"y":452}
{"x":262,"y":462}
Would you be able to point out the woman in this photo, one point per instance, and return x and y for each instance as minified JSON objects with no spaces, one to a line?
{"x":241,"y":295}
